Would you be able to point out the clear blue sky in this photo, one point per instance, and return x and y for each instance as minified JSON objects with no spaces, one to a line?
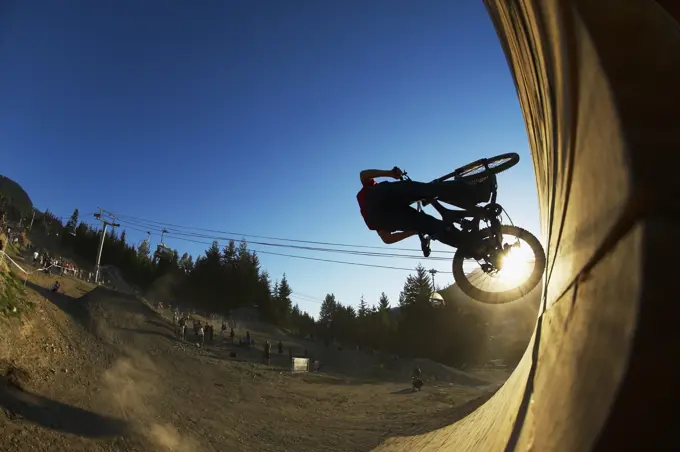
{"x":256,"y":117}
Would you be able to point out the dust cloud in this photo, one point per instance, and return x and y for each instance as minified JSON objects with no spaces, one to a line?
{"x":132,"y":384}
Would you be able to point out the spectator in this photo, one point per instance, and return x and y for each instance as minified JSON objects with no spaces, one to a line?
{"x":183,"y":328}
{"x":201,"y":335}
{"x":267,"y":352}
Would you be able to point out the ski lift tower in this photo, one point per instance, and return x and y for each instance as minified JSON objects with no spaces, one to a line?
{"x":433,"y":272}
{"x":109,"y":220}
{"x":435,"y":299}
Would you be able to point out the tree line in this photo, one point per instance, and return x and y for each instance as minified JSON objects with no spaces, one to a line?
{"x":415,"y":327}
{"x":231,"y":277}
{"x":219,"y":281}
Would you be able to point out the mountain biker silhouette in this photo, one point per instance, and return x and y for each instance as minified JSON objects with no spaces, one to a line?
{"x":386,"y":207}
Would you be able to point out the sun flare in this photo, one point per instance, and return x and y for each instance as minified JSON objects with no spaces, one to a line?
{"x":517,"y":265}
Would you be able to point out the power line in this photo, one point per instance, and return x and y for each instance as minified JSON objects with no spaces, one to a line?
{"x":359,"y":253}
{"x":301,"y":257}
{"x":127,"y":226}
{"x":171,"y":226}
{"x":310,"y":296}
{"x":306,"y":300}
{"x":307,"y":248}
{"x":314,"y":258}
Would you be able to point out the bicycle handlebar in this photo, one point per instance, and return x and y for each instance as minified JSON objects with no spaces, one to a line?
{"x":404,"y":175}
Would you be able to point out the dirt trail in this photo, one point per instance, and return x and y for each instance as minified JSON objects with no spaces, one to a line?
{"x":104,"y":372}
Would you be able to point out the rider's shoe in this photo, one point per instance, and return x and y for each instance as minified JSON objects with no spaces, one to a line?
{"x":425,"y":245}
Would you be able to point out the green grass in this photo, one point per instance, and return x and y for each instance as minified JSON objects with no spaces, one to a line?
{"x":12,"y":295}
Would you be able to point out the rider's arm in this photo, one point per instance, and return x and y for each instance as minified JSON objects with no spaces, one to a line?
{"x":394,"y":237}
{"x":368,"y":174}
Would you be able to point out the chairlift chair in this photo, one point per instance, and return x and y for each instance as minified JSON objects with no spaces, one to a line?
{"x":437,"y":300}
{"x":162,"y":251}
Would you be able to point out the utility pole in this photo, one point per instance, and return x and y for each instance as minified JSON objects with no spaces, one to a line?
{"x":162,"y":234}
{"x":110,"y":219}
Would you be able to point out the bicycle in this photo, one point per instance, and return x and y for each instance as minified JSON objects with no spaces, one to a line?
{"x":495,"y":258}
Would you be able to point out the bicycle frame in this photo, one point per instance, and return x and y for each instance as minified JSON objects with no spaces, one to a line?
{"x":473,"y":211}
{"x":468,"y":217}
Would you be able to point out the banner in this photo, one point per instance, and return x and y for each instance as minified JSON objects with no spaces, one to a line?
{"x":300,"y":365}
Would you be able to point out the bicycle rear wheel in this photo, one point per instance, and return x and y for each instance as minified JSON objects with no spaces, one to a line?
{"x":477,"y":170}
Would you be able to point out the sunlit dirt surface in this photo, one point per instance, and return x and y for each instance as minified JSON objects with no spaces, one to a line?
{"x":104,"y":371}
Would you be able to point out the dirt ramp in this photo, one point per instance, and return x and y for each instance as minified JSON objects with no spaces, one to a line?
{"x":110,"y":301}
{"x":116,"y":317}
{"x":133,"y":384}
{"x":115,"y":276}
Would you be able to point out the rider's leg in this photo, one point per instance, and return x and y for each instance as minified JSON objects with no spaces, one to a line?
{"x":425,"y":244}
{"x":409,"y":219}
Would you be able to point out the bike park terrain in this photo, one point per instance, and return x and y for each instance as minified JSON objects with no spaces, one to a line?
{"x":99,"y":369}
{"x":597,"y":82}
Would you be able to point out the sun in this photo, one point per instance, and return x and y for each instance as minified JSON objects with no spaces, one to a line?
{"x":517,"y":264}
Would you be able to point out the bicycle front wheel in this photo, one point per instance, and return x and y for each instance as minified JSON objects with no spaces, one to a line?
{"x":477,"y":170}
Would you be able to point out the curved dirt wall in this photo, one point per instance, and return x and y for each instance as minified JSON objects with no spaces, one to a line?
{"x":599,"y":86}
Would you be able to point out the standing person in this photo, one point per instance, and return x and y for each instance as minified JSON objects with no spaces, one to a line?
{"x":201,"y":335}
{"x":267,"y":352}
{"x":280,"y":348}
{"x":183,"y":328}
